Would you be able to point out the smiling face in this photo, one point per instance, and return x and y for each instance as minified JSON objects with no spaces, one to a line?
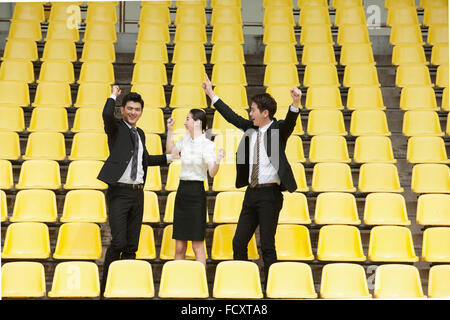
{"x":260,"y":119}
{"x":131,"y":112}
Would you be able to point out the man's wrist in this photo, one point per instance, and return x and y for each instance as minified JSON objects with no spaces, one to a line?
{"x":113,"y":96}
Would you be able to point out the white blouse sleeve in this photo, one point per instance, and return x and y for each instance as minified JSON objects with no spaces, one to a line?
{"x":179,"y":144}
{"x":209,"y":154}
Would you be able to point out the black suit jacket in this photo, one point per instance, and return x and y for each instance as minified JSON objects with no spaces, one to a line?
{"x":274,"y":141}
{"x":121,"y":147}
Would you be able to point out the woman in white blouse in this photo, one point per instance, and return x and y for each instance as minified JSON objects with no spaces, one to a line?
{"x":198,"y":156}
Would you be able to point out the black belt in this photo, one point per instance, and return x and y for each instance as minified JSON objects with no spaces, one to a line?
{"x":129,"y":185}
{"x":262,"y":185}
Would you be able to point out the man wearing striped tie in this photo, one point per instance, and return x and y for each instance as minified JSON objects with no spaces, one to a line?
{"x":261,"y":164}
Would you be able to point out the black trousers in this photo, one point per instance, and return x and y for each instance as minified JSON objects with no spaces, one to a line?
{"x":261,"y":207}
{"x":125,"y":212}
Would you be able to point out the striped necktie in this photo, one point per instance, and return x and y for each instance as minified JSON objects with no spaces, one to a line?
{"x":255,"y":167}
{"x":135,"y":154}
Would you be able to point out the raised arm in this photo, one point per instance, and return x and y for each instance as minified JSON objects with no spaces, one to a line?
{"x":291,"y":117}
{"x":109,"y":120}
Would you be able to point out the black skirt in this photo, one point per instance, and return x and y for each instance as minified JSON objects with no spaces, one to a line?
{"x":189,"y":216}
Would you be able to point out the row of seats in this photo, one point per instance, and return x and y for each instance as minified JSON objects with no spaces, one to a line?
{"x":30,"y":240}
{"x":330,"y":208}
{"x":233,"y":279}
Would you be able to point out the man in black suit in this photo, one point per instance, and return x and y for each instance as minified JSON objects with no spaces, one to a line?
{"x":125,"y":172}
{"x":263,"y":167}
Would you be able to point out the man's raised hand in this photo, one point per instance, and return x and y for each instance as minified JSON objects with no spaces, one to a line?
{"x":207,"y":87}
{"x":116,"y":90}
{"x":296,"y":95}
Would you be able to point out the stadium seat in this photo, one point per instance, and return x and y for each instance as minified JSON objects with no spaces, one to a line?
{"x":356,"y":53}
{"x":278,"y":15}
{"x":290,"y":280}
{"x":373,"y":149}
{"x":227,"y":207}
{"x":445,"y":104}
{"x":63,"y":10}
{"x":10,"y":143}
{"x":442,"y":76}
{"x":153,"y":180}
{"x":379,"y":177}
{"x":323,"y":98}
{"x":399,"y":3}
{"x":369,"y":123}
{"x":235,"y":96}
{"x":336,"y":208}
{"x":385,"y":209}
{"x":92,"y":94}
{"x":426,"y":150}
{"x":183,"y":52}
{"x":416,"y":75}
{"x":29,"y":11}
{"x":170,"y":206}
{"x":437,"y":34}
{"x":78,"y":241}
{"x":151,"y":208}
{"x":229,"y":142}
{"x":146,"y":247}
{"x":39,"y":174}
{"x":344,"y":281}
{"x":20,"y":49}
{"x":406,"y":34}
{"x":3,"y":206}
{"x":45,"y":146}
{"x":53,"y":94}
{"x":435,"y":15}
{"x":365,"y":98}
{"x":151,"y":32}
{"x":129,"y":279}
{"x":227,"y":52}
{"x":82,"y":174}
{"x":153,"y":143}
{"x":228,"y":74}
{"x":320,"y":75}
{"x":12,"y":119}
{"x":430,"y":178}
{"x":167,"y":251}
{"x":408,"y":54}
{"x":318,"y":53}
{"x":391,"y":244}
{"x":438,"y":278}
{"x":225,"y":179}
{"x":96,"y":72}
{"x":222,"y":243}
{"x":23,"y":279}
{"x":163,"y":3}
{"x":188,"y":73}
{"x":220,"y":125}
{"x":226,"y":15}
{"x":295,"y":209}
{"x":152,"y":94}
{"x":435,"y":245}
{"x":397,"y":281}
{"x":280,"y":53}
{"x":300,"y":177}
{"x":17,"y":70}
{"x":314,"y":3}
{"x":314,"y":15}
{"x":328,"y":149}
{"x":88,"y":120}
{"x":360,"y":75}
{"x":101,"y":51}
{"x":350,"y":15}
{"x":326,"y":122}
{"x":14,"y":94}
{"x":433,"y":210}
{"x":227,"y":33}
{"x":402,"y":15}
{"x":56,"y":71}
{"x":89,"y":146}
{"x":101,"y":13}
{"x":34,"y":206}
{"x":336,"y":4}
{"x":98,"y":31}
{"x":179,"y":115}
{"x":75,"y":279}
{"x":332,"y":177}
{"x":421,"y":123}
{"x":316,"y":34}
{"x":152,"y":121}
{"x":190,"y":15}
{"x":282,"y":95}
{"x":26,"y":240}
{"x":173,"y":177}
{"x":25,"y":29}
{"x":352,"y":33}
{"x":294,"y":149}
{"x":84,"y":206}
{"x":293,"y":242}
{"x":418,"y":98}
{"x":59,"y":50}
{"x":6,"y":177}
{"x":340,"y":243}
{"x":281,"y":114}
{"x":183,"y":279}
{"x":237,"y":279}
{"x":225,"y":3}
{"x":58,"y":30}
{"x":448,"y":125}
{"x":280,"y":33}
{"x":190,"y":33}
{"x":277,"y":3}
{"x":187,"y":95}
{"x":155,"y":15}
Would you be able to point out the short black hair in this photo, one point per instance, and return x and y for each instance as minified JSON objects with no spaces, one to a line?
{"x":198,"y":114}
{"x":265,"y":101}
{"x":132,"y":96}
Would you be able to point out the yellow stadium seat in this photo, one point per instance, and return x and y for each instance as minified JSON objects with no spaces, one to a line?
{"x":29,"y":11}
{"x":442,"y":76}
{"x":6,"y":177}
{"x":294,"y":149}
{"x":98,"y":31}
{"x":26,"y":240}
{"x":75,"y":279}
{"x":227,"y":52}
{"x":277,"y":3}
{"x":278,"y":15}
{"x":227,"y":33}
{"x":418,"y":98}
{"x":437,"y":34}
{"x":183,"y":279}
{"x":187,"y":95}
{"x":188,"y":73}
{"x":146,"y":247}
{"x":17,"y":70}
{"x":151,"y":208}
{"x":173,"y":177}
{"x":416,"y":75}
{"x":373,"y":149}
{"x":226,"y":15}
{"x":12,"y":119}
{"x":406,"y":34}
{"x":356,"y":53}
{"x":281,"y":114}
{"x":430,"y":178}
{"x":63,"y":10}
{"x":222,"y":246}
{"x":96,"y":72}
{"x":228,"y":74}
{"x":25,"y":29}
{"x":235,"y":96}
{"x":350,"y":15}
{"x":323,"y":98}
{"x":445,"y":104}
{"x":432,"y":3}
{"x":101,"y":13}
{"x":408,"y":54}
{"x":14,"y":94}
{"x":295,"y":209}
{"x":314,"y":15}
{"x":39,"y":174}
{"x":152,"y":121}
{"x":353,"y":33}
{"x":435,"y":245}
{"x":332,"y":177}
{"x":92,"y":94}
{"x":435,"y":15}
{"x":190,"y":33}
{"x":227,"y":207}
{"x":320,"y":75}
{"x":360,"y":75}
{"x":20,"y":49}
{"x":155,"y":14}
{"x":82,"y":174}
{"x":129,"y":279}
{"x":314,"y":3}
{"x":438,"y":278}
{"x":84,"y":206}
{"x":385,"y":209}
{"x":300,"y":177}
{"x":340,"y":243}
{"x":220,"y":125}
{"x":365,"y":98}
{"x":282,"y":95}
{"x":421,"y":123}
{"x":45,"y":145}
{"x":58,"y":30}
{"x":153,"y":180}
{"x":10,"y":143}
{"x":78,"y":241}
{"x":167,"y":251}
{"x":3,"y":206}
{"x":369,"y":123}
{"x":53,"y":94}
{"x":225,"y":179}
{"x":280,"y":33}
{"x":88,"y":120}
{"x":102,"y":51}
{"x":89,"y":146}
{"x":280,"y":53}
{"x":170,"y":206}
{"x":345,"y":3}
{"x":318,"y":53}
{"x":56,"y":71}
{"x":402,"y":15}
{"x":316,"y":34}
{"x":399,"y":3}
{"x":229,"y":142}
{"x":153,"y":143}
{"x":190,"y":15}
{"x":326,"y":122}
{"x":183,"y":52}
{"x":293,"y":242}
{"x":35,"y":206}
{"x":23,"y":279}
{"x":225,"y":3}
{"x":397,"y":281}
{"x":379,"y":177}
{"x":290,"y":280}
{"x":433,"y":209}
{"x":336,"y":208}
{"x":426,"y":150}
{"x":162,"y":3}
{"x":152,"y":94}
{"x":59,"y":50}
{"x":344,"y":281}
{"x":326,"y":148}
{"x":49,"y":119}
{"x":150,"y":32}
{"x":391,"y":244}
{"x":448,"y":125}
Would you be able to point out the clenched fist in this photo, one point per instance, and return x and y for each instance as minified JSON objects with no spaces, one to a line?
{"x":170,"y":123}
{"x":296,"y":95}
{"x":116,"y":90}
